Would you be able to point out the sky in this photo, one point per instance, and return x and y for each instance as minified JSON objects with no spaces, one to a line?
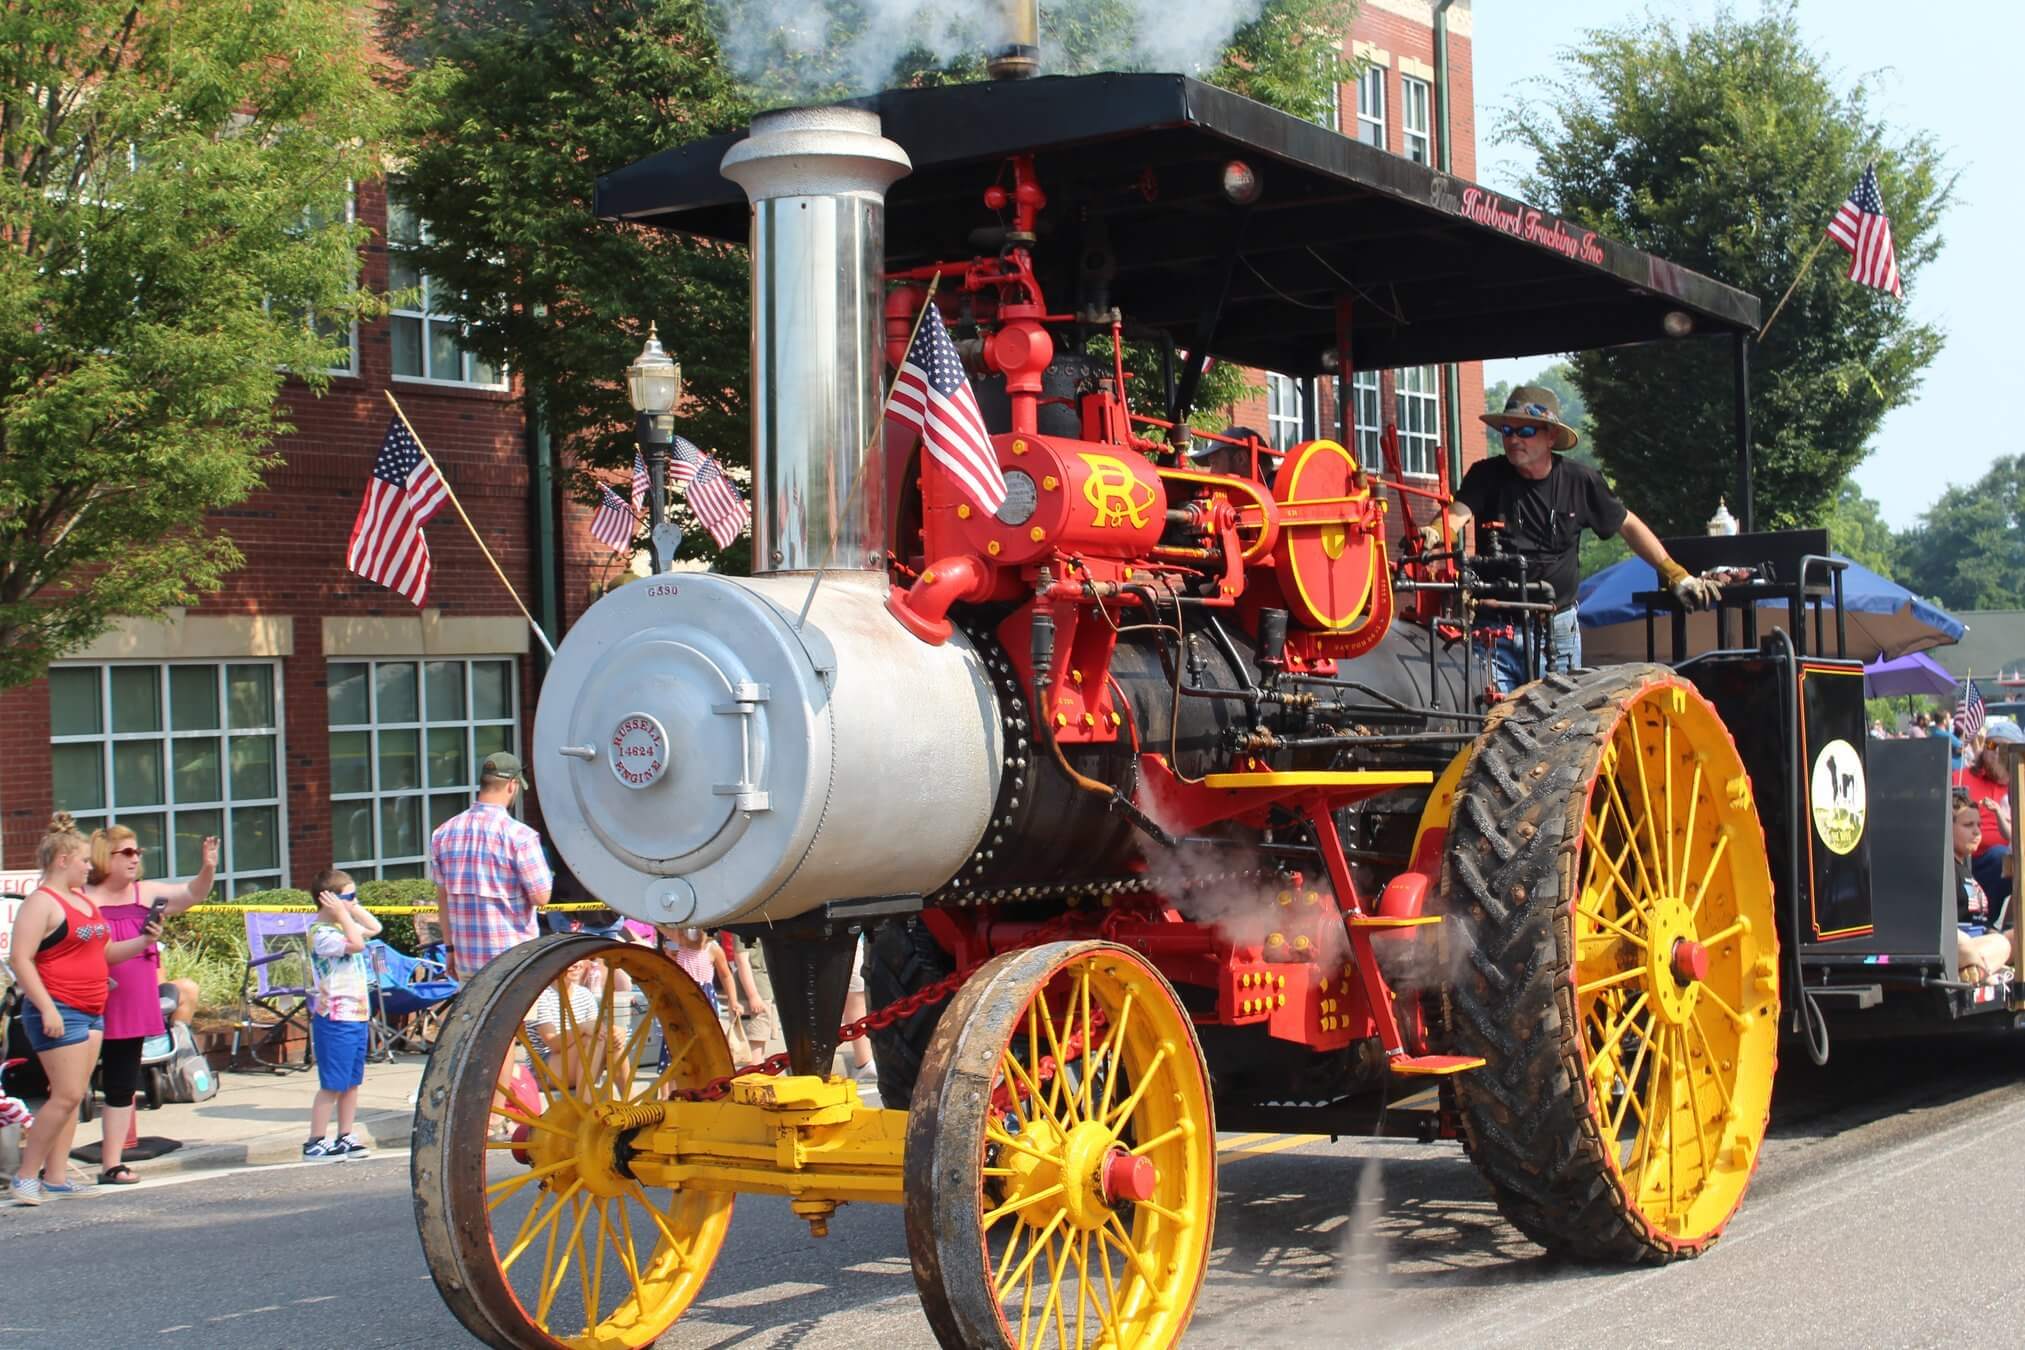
{"x":1946,"y":70}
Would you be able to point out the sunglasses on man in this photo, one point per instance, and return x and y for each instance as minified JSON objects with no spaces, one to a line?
{"x":1523,"y":433}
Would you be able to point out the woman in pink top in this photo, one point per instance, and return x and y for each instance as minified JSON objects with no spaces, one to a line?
{"x":133,"y":1010}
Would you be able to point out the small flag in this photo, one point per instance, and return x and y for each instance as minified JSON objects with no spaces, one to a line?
{"x":1862,"y":228}
{"x":684,"y":459}
{"x":715,"y":500}
{"x":640,"y":483}
{"x":1969,"y":713}
{"x":613,"y":524}
{"x":403,"y":493}
{"x":933,"y":395}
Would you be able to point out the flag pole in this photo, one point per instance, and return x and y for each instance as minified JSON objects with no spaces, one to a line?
{"x":539,"y":636}
{"x":878,"y":433}
{"x":1811,"y":255}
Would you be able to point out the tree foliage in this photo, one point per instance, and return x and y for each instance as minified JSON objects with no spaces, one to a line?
{"x":173,"y":183}
{"x":1858,"y":531}
{"x":1727,"y":148}
{"x":1968,"y":550}
{"x":516,"y":106}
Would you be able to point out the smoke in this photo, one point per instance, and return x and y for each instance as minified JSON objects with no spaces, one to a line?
{"x":794,"y":51}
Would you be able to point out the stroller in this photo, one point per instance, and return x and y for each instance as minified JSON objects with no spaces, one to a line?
{"x":409,"y":997}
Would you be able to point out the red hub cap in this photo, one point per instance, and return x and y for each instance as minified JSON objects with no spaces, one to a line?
{"x":1128,"y":1178}
{"x":1690,"y":961}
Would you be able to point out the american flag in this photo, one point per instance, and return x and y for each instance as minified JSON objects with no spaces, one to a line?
{"x":715,"y":500}
{"x":613,"y":524}
{"x":1969,"y":712}
{"x":640,"y":483}
{"x":404,"y":492}
{"x":933,"y":395}
{"x":1862,"y":228}
{"x":684,"y":459}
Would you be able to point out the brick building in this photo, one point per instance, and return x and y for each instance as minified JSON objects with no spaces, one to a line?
{"x":303,"y":714}
{"x":1393,"y":106}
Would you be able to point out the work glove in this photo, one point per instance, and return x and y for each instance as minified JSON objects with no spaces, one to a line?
{"x":1430,"y":537}
{"x":1692,"y":591}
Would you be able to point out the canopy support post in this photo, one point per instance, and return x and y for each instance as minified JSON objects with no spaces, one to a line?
{"x":1747,"y":516}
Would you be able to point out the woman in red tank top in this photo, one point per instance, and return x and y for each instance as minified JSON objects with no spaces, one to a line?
{"x":61,"y":949}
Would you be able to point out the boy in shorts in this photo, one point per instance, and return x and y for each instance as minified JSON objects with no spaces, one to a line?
{"x":338,"y":1013}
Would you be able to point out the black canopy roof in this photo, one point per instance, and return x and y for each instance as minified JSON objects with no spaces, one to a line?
{"x":1436,"y":268}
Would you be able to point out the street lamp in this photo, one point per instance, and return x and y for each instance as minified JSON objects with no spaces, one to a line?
{"x":653,"y":384}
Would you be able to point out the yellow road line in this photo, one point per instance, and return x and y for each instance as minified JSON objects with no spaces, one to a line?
{"x":1291,"y":1141}
{"x":1240,"y":1140}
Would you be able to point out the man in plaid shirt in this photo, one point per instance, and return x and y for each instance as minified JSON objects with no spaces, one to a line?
{"x":489,"y":871}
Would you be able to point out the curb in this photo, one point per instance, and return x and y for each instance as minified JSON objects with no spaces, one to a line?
{"x":388,"y":1130}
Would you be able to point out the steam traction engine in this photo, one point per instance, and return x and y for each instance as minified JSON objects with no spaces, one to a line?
{"x":1156,"y":819}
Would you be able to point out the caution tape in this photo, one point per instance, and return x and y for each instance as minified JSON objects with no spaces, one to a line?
{"x":370,"y":909}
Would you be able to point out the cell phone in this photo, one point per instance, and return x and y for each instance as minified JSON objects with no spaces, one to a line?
{"x":155,"y":910}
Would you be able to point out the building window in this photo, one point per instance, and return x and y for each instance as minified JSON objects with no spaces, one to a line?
{"x":1371,"y":106}
{"x":1414,"y":121}
{"x":1418,"y":396}
{"x":1330,"y":113}
{"x":1285,"y":397}
{"x":343,"y":335}
{"x":1365,"y":422}
{"x":406,"y":740}
{"x":175,"y":753}
{"x":425,"y":339}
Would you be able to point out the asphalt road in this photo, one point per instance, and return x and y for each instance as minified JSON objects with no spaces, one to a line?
{"x":1883,"y":1215}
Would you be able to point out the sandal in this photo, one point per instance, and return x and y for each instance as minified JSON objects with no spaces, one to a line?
{"x":119,"y":1174}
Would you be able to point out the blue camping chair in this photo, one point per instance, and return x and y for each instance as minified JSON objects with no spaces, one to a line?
{"x":274,"y":992}
{"x":409,"y":997}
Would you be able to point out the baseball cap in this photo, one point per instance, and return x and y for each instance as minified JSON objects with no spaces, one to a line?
{"x":503,"y":765}
{"x":2003,"y":729}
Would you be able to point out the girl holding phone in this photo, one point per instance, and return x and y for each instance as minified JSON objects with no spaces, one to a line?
{"x":133,"y":1010}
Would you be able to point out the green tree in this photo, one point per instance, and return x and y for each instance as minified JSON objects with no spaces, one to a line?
{"x":1968,"y":550}
{"x":1727,"y":148}
{"x":173,"y":240}
{"x":1857,"y":530}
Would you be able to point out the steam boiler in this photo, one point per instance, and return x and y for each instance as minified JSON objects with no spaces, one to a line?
{"x":1162,"y":788}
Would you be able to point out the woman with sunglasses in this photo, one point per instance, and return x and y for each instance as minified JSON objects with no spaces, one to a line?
{"x":133,"y":1010}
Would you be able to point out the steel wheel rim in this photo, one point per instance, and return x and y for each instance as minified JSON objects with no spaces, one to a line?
{"x":557,"y":1246}
{"x":1676,"y":965}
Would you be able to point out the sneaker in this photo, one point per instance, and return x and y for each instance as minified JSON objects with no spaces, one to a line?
{"x":26,"y":1190}
{"x":348,"y":1146}
{"x":321,"y":1150}
{"x":61,"y":1188}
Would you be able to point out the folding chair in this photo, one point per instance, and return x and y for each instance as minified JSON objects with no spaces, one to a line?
{"x":277,"y":985}
{"x":408,"y":997}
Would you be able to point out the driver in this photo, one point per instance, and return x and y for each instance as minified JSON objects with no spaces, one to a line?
{"x":1546,"y":500}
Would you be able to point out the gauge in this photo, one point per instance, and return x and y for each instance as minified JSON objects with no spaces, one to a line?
{"x":1021,"y":497}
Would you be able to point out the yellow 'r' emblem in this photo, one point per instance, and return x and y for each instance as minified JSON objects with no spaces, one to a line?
{"x":1114,"y":494}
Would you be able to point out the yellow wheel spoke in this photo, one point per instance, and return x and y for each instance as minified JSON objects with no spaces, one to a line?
{"x":1687,"y":838}
{"x":1616,"y":795}
{"x":533,"y":1122}
{"x":597,"y":1084}
{"x":1172,"y":1216}
{"x":1058,"y":1093}
{"x":527,"y":1228}
{"x":1709,"y":1049}
{"x":1615,"y":927}
{"x":590,"y":1276}
{"x":1621,"y":977}
{"x":1648,"y":1115}
{"x":554,"y":1284}
{"x":544,"y":1072}
{"x":1645,"y":797}
{"x":1722,"y":934}
{"x":1027,"y":1262}
{"x":675,"y":1244}
{"x":1083,"y":1289}
{"x":1034,"y":1091}
{"x":1736,"y":1018}
{"x":1115,"y":1045}
{"x":503,"y":1189}
{"x":1630,"y":1081}
{"x":1181,"y":1130}
{"x":1089,"y":1037}
{"x":1015,"y":1206}
{"x":1695,"y":1107}
{"x":1052,"y":1306}
{"x":1004,"y":1140}
{"x":1715,"y":858}
{"x":521,"y":1241}
{"x":1611,"y":1047}
{"x":629,"y":1254}
{"x":1110,"y":1290}
{"x":1131,"y":1103}
{"x":1602,"y":854}
{"x":1123,"y":1242}
{"x":1005,"y":1260}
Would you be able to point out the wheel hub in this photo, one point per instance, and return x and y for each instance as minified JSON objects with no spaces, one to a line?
{"x":1678,"y":962}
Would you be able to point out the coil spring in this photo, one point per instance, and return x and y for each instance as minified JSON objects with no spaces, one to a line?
{"x":620,"y":1116}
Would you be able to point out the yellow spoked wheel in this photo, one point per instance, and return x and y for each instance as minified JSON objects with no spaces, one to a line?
{"x":1061,"y":1160}
{"x":1609,"y":869}
{"x":535,"y":1230}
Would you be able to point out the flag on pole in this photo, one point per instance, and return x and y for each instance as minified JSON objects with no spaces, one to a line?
{"x":640,"y":483}
{"x":684,"y":459}
{"x":715,"y":500}
{"x":1969,"y":712}
{"x":1862,"y":228}
{"x":402,"y":495}
{"x":932,"y":394}
{"x":613,"y":524}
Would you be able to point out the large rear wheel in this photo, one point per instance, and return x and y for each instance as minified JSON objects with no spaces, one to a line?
{"x":1061,"y":1159}
{"x":1619,"y":968}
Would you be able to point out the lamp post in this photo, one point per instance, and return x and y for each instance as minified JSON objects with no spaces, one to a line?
{"x":654,"y":383}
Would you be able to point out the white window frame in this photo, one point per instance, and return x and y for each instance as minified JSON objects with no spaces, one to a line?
{"x":231,"y":878}
{"x":1286,"y":406}
{"x":1416,"y":98}
{"x":1332,"y":102}
{"x":415,"y":864}
{"x":351,"y":370}
{"x":1367,"y":425}
{"x":1417,"y":405}
{"x":426,"y":316}
{"x":1371,"y":106}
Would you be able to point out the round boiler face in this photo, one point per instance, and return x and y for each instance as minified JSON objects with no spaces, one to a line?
{"x":1022,"y":495}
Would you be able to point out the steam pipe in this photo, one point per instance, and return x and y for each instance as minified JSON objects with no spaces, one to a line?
{"x":1018,"y":56}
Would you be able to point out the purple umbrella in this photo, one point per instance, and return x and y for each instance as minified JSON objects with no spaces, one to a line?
{"x":1914,"y":674}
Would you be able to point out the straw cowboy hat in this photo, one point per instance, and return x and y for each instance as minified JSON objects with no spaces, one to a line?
{"x":1534,"y":405}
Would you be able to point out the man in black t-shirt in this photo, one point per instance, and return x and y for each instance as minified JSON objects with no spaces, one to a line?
{"x":1545,"y":501}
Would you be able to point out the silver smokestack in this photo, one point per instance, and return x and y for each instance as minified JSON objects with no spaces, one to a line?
{"x":817,"y":178}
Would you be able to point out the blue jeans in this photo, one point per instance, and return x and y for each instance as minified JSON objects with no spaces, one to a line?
{"x":1508,"y":655}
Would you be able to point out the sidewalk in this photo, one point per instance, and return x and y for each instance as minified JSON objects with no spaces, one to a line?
{"x":260,"y":1118}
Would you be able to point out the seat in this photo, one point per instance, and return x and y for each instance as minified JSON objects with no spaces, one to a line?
{"x":408,"y":998}
{"x":274,"y":993}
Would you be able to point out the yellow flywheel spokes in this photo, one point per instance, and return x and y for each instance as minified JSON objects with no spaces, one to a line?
{"x":1090,"y":1154}
{"x":535,"y":1228}
{"x":1676,"y":971}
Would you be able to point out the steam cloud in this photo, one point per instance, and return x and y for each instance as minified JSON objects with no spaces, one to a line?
{"x":798,"y":51}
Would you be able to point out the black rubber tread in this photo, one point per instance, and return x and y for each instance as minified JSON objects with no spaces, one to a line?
{"x":901,"y":957}
{"x":1509,"y":884}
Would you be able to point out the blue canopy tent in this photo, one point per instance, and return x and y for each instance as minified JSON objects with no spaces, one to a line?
{"x":1884,"y":618}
